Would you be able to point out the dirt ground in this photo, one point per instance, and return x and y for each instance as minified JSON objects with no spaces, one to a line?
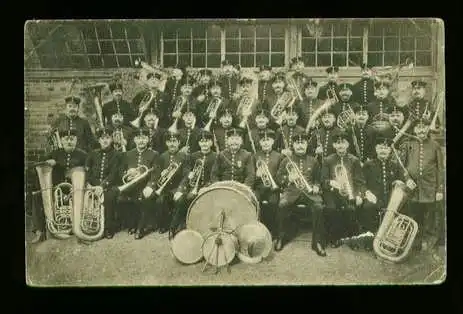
{"x":149,"y":262}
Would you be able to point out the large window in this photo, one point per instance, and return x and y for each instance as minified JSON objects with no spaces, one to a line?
{"x":198,"y":46}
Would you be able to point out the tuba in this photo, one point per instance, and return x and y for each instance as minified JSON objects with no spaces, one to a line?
{"x":212,"y":109}
{"x":57,"y":203}
{"x":300,"y":182}
{"x":279,"y":108}
{"x":244,"y":109}
{"x":397,"y":232}
{"x":142,"y":107}
{"x":266,"y":176}
{"x":132,"y":179}
{"x":195,"y":175}
{"x":342,"y":178}
{"x":166,"y":175}
{"x":88,"y":208}
{"x":181,"y":101}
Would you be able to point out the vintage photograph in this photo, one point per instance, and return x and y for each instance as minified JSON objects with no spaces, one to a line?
{"x":194,"y":152}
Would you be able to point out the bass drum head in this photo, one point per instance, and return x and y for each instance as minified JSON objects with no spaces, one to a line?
{"x":239,"y":186}
{"x":187,"y":246}
{"x":204,"y":212}
{"x":255,"y":240}
{"x":223,"y":254}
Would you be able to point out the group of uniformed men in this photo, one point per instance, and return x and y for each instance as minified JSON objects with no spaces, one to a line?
{"x":230,"y":151}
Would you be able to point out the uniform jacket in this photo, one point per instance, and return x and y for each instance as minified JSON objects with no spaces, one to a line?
{"x":124,"y":107}
{"x":202,"y":90}
{"x":237,"y":167}
{"x":354,"y":173}
{"x":379,"y":106}
{"x":190,"y":105}
{"x":85,"y":138}
{"x":164,"y":160}
{"x":189,"y":137}
{"x":64,"y":162}
{"x":324,"y":136}
{"x":417,"y":108}
{"x":379,"y":176}
{"x":255,"y":137}
{"x":221,"y":136}
{"x":364,"y":91}
{"x":342,"y":106}
{"x":424,"y":163}
{"x":172,"y":89}
{"x":237,"y":116}
{"x":322,"y":92}
{"x":272,"y":160}
{"x":300,"y":79}
{"x":202,"y":116}
{"x":156,"y":139}
{"x":103,"y":167}
{"x":133,"y":159}
{"x":285,"y":134}
{"x":270,"y":102}
{"x":128,"y":132}
{"x":305,"y":109}
{"x":366,"y":142}
{"x":186,"y":185}
{"x":229,"y":85}
{"x":160,"y":102}
{"x":264,"y":90}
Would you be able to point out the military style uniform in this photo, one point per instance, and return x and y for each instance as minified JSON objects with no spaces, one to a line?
{"x":300,"y":79}
{"x":256,"y":136}
{"x":159,"y":103}
{"x":379,"y":107}
{"x":127,"y":132}
{"x":271,"y":101}
{"x":365,"y":138}
{"x":123,"y":107}
{"x":189,"y":137}
{"x":172,"y":89}
{"x":264,"y":90}
{"x":237,"y":112}
{"x":85,"y":138}
{"x":326,"y":140}
{"x":286,"y":133}
{"x":306,"y":108}
{"x":229,"y":85}
{"x":332,"y":88}
{"x":364,"y":91}
{"x":203,"y":116}
{"x":189,"y":106}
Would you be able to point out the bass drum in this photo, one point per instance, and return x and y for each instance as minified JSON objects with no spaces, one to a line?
{"x":237,"y":201}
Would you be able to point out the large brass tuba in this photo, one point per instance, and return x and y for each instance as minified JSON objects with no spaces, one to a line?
{"x":166,"y":175}
{"x":57,"y":203}
{"x":212,"y":109}
{"x":266,"y":176}
{"x":397,"y":232}
{"x":179,"y":104}
{"x":88,"y":209}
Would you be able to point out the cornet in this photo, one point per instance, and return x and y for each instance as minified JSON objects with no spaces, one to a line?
{"x":244,"y":109}
{"x":130,"y":180}
{"x":166,"y":175}
{"x":300,"y":182}
{"x":331,"y":95}
{"x":132,"y":173}
{"x":118,"y":138}
{"x":212,"y":109}
{"x":279,"y":108}
{"x":179,"y":104}
{"x":266,"y":176}
{"x":294,"y":88}
{"x":342,"y":178}
{"x":196,"y":175}
{"x":143,"y":106}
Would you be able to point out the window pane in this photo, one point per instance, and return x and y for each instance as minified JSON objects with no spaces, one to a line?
{"x":375,"y":59}
{"x":64,"y":62}
{"x":48,"y":61}
{"x":103,"y":31}
{"x":184,"y":32}
{"x":169,"y":61}
{"x":247,"y":45}
{"x":423,"y":59}
{"x":392,"y":29}
{"x":375,"y":43}
{"x":407,"y":29}
{"x":391,"y":44}
{"x":213,"y":60}
{"x":423,"y":43}
{"x":324,"y":44}
{"x":95,"y":61}
{"x":278,"y":45}
{"x":407,"y":43}
{"x":118,"y":31}
{"x":339,"y":44}
{"x":133,"y":31}
{"x":356,"y":29}
{"x":340,"y":29}
{"x":110,"y":61}
{"x":324,"y":59}
{"x":376,"y":29}
{"x":234,"y":59}
{"x":46,"y":48}
{"x":199,"y":46}
{"x":277,"y":60}
{"x":184,"y":46}
{"x":199,"y":31}
{"x":137,"y":46}
{"x":79,"y":62}
{"x":169,"y":46}
{"x":356,"y":44}
{"x":213,"y":45}
{"x":232,"y":31}
{"x":247,"y":32}
{"x":262,"y":59}
{"x":199,"y":61}
{"x":247,"y":60}
{"x":92,"y":47}
{"x":262,"y":31}
{"x":278,"y":31}
{"x":308,"y":44}
{"x":340,"y":59}
{"x":309,"y":59}
{"x":106,"y":47}
{"x":88,"y":31}
{"x":121,"y":46}
{"x":124,"y":61}
{"x":325,"y":30}
{"x":391,"y":58}
{"x":232,"y":45}
{"x":169,"y":33}
{"x":184,"y":58}
{"x":76,"y":47}
{"x":406,"y":54}
{"x":263,"y":45}
{"x":355,"y":59}
{"x":213,"y":32}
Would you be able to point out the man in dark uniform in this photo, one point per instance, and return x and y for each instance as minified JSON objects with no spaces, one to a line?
{"x":343,"y":187}
{"x":167,"y":160}
{"x":221,"y":130}
{"x":189,"y":134}
{"x":103,"y":170}
{"x":118,"y":106}
{"x":174,"y":83}
{"x":205,"y":111}
{"x":70,"y":120}
{"x":292,"y":195}
{"x":363,"y":133}
{"x":183,"y":103}
{"x":122,"y":134}
{"x":262,"y":120}
{"x":134,"y":207}
{"x":285,"y":133}
{"x":192,"y":184}
{"x":264,"y":85}
{"x":321,"y":139}
{"x":150,"y":119}
{"x":234,"y":163}
{"x":345,"y":99}
{"x":330,"y":89}
{"x":425,"y":176}
{"x":364,"y":89}
{"x":267,"y":195}
{"x":379,"y":173}
{"x":310,"y":102}
{"x":382,"y":104}
{"x":296,"y":66}
{"x":228,"y":80}
{"x":62,"y":160}
{"x":419,"y":107}
{"x":245,"y":112}
{"x":279,"y":94}
{"x":202,"y":90}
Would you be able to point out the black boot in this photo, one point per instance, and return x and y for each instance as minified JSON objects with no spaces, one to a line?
{"x":319,"y":249}
{"x":139,"y":234}
{"x":109,"y":234}
{"x":278,"y":244}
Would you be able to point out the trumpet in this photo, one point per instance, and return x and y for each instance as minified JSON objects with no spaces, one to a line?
{"x":195,"y":175}
{"x":143,"y":106}
{"x":212,"y":109}
{"x":331,"y":95}
{"x":265,"y":176}
{"x":342,"y":178}
{"x":130,"y":179}
{"x":181,"y":101}
{"x":300,"y":182}
{"x":166,"y":175}
{"x":244,"y":109}
{"x":279,"y":108}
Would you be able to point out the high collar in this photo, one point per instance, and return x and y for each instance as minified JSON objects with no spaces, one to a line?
{"x":141,"y":151}
{"x":108,"y":149}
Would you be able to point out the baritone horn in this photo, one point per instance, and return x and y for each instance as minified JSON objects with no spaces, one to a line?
{"x":131,"y":179}
{"x":265,"y":176}
{"x":88,"y":208}
{"x":57,"y":203}
{"x":179,"y":104}
{"x":300,"y":182}
{"x":342,"y":178}
{"x":212,"y":109}
{"x":166,"y":175}
{"x":279,"y":108}
{"x":397,"y":232}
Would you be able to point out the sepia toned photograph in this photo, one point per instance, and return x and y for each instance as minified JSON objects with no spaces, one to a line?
{"x":198,"y":152}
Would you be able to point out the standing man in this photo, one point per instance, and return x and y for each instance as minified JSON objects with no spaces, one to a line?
{"x":264,"y":85}
{"x":419,"y":106}
{"x":175,"y":82}
{"x":279,"y":96}
{"x":262,"y":121}
{"x":331,"y":89}
{"x":345,"y":99}
{"x":220,"y":132}
{"x":321,"y":140}
{"x":229,"y":80}
{"x":310,"y":103}
{"x":364,"y":89}
{"x":363,"y":133}
{"x":122,"y":134}
{"x":118,"y":106}
{"x":245,"y":111}
{"x":285,"y":133}
{"x":205,"y":111}
{"x":156,"y":134}
{"x":202,"y":90}
{"x":189,"y":134}
{"x":296,"y":66}
{"x":183,"y":103}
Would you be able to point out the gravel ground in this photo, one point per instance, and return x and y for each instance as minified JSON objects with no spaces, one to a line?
{"x":125,"y":261}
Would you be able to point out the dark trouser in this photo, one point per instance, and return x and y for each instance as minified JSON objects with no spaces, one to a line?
{"x":129,"y":210}
{"x":146,"y":213}
{"x":268,"y":211}
{"x":110,"y":207}
{"x":314,"y":202}
{"x":180,"y":211}
{"x":164,"y":206}
{"x":340,"y":217}
{"x":38,"y":215}
{"x":370,"y":215}
{"x":429,"y":218}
